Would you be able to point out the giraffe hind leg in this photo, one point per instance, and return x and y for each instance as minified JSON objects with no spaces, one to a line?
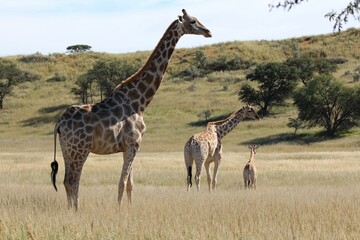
{"x":189,"y":178}
{"x":73,"y":170}
{"x":208,"y":174}
{"x":126,"y":173}
{"x":129,"y":185}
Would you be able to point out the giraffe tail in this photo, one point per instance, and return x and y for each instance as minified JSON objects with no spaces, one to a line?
{"x":189,"y":177}
{"x":54,"y":165}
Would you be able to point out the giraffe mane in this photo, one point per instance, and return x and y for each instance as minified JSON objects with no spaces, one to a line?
{"x":226,"y":119}
{"x":144,"y":67}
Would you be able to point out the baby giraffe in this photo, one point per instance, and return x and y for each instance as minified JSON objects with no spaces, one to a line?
{"x":249,"y":172}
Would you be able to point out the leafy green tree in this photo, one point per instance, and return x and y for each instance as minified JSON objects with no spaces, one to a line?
{"x":78,"y":48}
{"x":308,"y":67}
{"x":204,"y":115}
{"x":109,"y":73}
{"x":275,"y":83}
{"x":295,"y":123}
{"x":351,"y":9}
{"x":83,"y":89}
{"x":327,"y":103}
{"x":11,"y":76}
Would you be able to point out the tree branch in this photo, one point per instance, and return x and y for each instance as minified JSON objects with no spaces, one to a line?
{"x":352,"y":9}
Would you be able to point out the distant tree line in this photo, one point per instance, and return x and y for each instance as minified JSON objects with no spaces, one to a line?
{"x":332,"y":105}
{"x":320,"y":99}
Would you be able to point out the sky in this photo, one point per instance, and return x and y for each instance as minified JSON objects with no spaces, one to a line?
{"x":122,"y":26}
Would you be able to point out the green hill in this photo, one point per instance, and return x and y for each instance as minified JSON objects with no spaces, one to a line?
{"x":29,"y":114}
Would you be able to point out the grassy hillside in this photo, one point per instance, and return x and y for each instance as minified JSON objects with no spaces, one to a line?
{"x":29,"y":115}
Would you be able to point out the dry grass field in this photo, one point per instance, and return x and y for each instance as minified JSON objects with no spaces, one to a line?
{"x":300,"y":195}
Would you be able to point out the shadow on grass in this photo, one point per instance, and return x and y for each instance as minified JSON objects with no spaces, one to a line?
{"x":203,"y":123}
{"x":303,"y":139}
{"x":61,"y":107}
{"x":46,"y":117}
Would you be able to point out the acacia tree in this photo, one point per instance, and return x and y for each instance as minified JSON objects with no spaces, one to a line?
{"x":11,"y":76}
{"x":275,"y":81}
{"x":339,"y":18}
{"x":78,"y":48}
{"x":327,"y":103}
{"x":307,"y":67}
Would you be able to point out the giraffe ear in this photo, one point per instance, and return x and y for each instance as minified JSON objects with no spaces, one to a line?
{"x":181,"y":19}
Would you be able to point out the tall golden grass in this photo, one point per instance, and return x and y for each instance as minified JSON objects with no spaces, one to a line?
{"x":300,"y":195}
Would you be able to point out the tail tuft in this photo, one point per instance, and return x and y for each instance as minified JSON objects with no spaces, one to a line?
{"x":54,"y":169}
{"x":189,"y":177}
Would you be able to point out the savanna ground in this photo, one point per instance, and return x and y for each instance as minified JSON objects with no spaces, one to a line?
{"x":300,"y":195}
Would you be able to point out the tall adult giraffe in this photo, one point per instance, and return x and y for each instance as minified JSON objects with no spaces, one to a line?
{"x":116,"y":124}
{"x":205,"y":147}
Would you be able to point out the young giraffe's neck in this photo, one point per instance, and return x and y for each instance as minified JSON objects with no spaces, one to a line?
{"x":223,"y":127}
{"x":140,"y":88}
{"x":251,"y":158}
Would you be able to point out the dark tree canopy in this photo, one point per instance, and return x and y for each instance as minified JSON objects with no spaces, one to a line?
{"x":103,"y":78}
{"x":10,"y":76}
{"x":307,"y":67}
{"x":339,"y":18}
{"x":78,"y":48}
{"x":109,"y":73}
{"x":276,"y":81}
{"x":83,"y":89}
{"x":327,"y":103}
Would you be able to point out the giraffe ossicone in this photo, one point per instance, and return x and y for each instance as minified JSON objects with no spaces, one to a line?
{"x":205,"y":147}
{"x":116,"y":124}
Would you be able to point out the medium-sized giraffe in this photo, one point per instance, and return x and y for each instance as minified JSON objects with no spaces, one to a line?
{"x":249,"y":172}
{"x":205,"y":147}
{"x":116,"y":124}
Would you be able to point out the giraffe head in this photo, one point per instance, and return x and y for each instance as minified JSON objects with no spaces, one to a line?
{"x":249,"y":111}
{"x":253,"y":148}
{"x":193,"y":26}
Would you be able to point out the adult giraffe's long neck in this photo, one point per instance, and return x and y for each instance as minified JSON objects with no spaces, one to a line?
{"x":141,"y":87}
{"x":223,"y":127}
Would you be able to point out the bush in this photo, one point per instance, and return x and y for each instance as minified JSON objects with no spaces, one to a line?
{"x":57,"y":78}
{"x":35,"y":58}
